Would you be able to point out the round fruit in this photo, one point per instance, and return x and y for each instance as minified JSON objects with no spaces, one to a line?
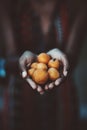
{"x":43,"y":58}
{"x":40,"y":76}
{"x":53,"y":74}
{"x":31,"y":71}
{"x":54,"y":63}
{"x":41,"y":66}
{"x":34,"y":65}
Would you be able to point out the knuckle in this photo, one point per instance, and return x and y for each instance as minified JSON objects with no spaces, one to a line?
{"x":26,"y":52}
{"x":64,"y":56}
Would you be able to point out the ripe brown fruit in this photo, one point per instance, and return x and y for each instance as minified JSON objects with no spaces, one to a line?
{"x":40,"y":76}
{"x":54,"y":63}
{"x":44,"y":68}
{"x":43,"y":58}
{"x":53,"y":74}
{"x":31,"y":71}
{"x":41,"y":66}
{"x":34,"y":65}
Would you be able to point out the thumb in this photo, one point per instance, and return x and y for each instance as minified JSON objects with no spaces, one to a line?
{"x":65,"y":64}
{"x":24,"y":74}
{"x":22,"y":67}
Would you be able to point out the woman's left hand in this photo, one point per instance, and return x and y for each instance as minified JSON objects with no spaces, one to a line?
{"x":57,"y":54}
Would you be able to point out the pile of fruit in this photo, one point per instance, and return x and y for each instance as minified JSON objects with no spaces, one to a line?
{"x":44,"y":69}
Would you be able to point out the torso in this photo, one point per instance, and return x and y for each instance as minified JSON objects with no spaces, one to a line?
{"x":35,"y":38}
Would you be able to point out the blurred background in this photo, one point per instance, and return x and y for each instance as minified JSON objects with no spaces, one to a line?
{"x":10,"y":99}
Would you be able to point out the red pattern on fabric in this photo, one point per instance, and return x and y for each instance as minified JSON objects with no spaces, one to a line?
{"x":25,"y":26}
{"x":65,"y":21}
{"x":67,"y":113}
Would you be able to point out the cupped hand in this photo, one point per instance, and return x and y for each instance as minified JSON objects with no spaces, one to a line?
{"x":58,"y":54}
{"x":24,"y":62}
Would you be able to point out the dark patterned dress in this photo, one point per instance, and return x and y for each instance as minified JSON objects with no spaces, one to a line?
{"x":55,"y":110}
{"x":24,"y":108}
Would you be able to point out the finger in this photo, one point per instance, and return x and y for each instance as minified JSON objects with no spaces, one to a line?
{"x":31,"y":83}
{"x":46,"y":87}
{"x":22,"y":64}
{"x":58,"y":81}
{"x":40,"y":90}
{"x":41,"y":93}
{"x":66,"y":65}
{"x":26,"y":59}
{"x":24,"y":74}
{"x":51,"y":85}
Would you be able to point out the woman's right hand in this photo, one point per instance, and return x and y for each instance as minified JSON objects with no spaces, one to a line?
{"x":25,"y":61}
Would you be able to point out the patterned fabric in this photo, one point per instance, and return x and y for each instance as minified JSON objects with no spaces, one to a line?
{"x":24,"y":109}
{"x":29,"y":27}
{"x":52,"y":111}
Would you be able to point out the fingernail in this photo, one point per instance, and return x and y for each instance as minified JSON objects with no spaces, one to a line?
{"x":39,"y":89}
{"x":24,"y":74}
{"x":51,"y":86}
{"x":31,"y":83}
{"x":65,"y":73}
{"x":41,"y":93}
{"x":46,"y":87}
{"x":56,"y":83}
